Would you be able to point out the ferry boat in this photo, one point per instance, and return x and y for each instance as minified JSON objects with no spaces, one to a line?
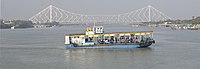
{"x":96,"y":38}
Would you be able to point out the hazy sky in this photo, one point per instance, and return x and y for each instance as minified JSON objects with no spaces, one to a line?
{"x":24,"y":9}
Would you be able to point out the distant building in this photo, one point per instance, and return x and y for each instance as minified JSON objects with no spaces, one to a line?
{"x":193,"y":17}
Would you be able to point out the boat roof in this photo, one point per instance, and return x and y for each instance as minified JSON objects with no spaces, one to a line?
{"x":135,"y":32}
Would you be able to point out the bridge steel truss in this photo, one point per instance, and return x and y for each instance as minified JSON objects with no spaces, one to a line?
{"x":52,"y":13}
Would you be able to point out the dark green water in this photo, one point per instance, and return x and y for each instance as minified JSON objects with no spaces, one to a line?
{"x":44,"y":49}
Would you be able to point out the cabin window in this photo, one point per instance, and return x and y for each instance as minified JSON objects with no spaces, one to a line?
{"x":86,"y":39}
{"x":89,"y":39}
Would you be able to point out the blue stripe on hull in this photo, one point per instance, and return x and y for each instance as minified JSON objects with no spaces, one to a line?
{"x":112,"y":46}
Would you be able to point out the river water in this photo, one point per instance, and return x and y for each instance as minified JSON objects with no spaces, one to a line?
{"x":44,"y":49}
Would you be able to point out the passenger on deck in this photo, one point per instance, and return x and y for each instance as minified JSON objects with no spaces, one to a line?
{"x":112,"y":40}
{"x":115,"y":40}
{"x":123,"y":40}
{"x":126,"y":40}
{"x":142,"y":40}
{"x":106,"y":41}
{"x":101,"y":41}
{"x":90,"y":39}
{"x":130,"y":40}
{"x":136,"y":40}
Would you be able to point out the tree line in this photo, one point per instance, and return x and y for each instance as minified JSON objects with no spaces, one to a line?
{"x":16,"y":23}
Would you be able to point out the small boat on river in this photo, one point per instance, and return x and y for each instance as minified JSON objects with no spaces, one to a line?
{"x":96,"y":38}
